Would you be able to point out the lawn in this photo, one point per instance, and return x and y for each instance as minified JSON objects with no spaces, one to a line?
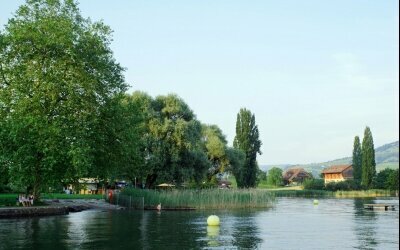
{"x":10,"y":199}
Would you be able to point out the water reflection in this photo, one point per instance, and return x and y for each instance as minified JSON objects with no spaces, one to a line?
{"x":365,"y":223}
{"x":212,"y":236}
{"x":246,"y":232}
{"x":333,"y":224}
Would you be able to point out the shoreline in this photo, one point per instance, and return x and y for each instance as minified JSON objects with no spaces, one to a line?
{"x":56,"y":207}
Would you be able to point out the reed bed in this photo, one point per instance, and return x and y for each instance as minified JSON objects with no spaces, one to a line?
{"x":205,"y":199}
{"x":302,"y":193}
{"x":364,"y":193}
{"x":337,"y":194}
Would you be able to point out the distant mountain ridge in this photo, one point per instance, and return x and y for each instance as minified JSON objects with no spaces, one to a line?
{"x":386,"y":156}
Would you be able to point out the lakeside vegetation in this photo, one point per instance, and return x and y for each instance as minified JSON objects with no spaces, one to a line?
{"x":229,"y":198}
{"x":212,"y":198}
{"x":205,"y":199}
{"x":332,"y":194}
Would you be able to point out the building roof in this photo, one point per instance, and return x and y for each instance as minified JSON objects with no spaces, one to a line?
{"x":336,"y":169}
{"x":88,"y":180}
{"x":293,"y":173}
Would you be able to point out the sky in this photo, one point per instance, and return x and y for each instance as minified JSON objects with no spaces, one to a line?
{"x":314,"y":73}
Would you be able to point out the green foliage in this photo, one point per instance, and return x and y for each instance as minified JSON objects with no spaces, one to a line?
{"x":121,"y":155}
{"x":205,"y":199}
{"x":274,"y":177}
{"x":171,"y":144}
{"x":57,"y":78}
{"x":314,"y":184}
{"x":380,"y":181}
{"x":247,"y":140}
{"x":368,"y":159}
{"x":215,"y":145}
{"x":261,"y":176}
{"x":8,"y":200}
{"x":346,"y":185}
{"x":237,"y":165}
{"x":392,"y":181}
{"x":302,"y":193}
{"x":357,"y":160}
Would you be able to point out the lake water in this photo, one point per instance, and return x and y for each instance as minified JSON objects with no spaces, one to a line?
{"x":293,"y":223}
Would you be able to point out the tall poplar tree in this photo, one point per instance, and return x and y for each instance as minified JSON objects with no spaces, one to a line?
{"x":368,"y":159}
{"x":247,"y":141}
{"x":357,"y":160}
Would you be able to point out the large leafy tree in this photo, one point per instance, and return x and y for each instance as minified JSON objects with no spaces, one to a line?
{"x":117,"y":142}
{"x":215,"y":145}
{"x":357,"y":160}
{"x":368,"y":159}
{"x":57,"y":79}
{"x":247,"y":140}
{"x":148,"y":158}
{"x":172,"y":141}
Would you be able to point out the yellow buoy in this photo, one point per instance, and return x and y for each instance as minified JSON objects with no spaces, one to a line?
{"x":213,"y":220}
{"x":315,"y":202}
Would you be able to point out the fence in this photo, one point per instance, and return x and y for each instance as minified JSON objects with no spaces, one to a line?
{"x":114,"y":197}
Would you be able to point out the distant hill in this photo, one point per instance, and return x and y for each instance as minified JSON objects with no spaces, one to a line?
{"x":386,"y":156}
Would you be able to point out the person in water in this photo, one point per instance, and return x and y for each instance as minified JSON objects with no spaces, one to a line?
{"x":159,"y":207}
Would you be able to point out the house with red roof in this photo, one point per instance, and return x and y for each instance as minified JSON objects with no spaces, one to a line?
{"x":295,"y":175}
{"x":338,"y":173}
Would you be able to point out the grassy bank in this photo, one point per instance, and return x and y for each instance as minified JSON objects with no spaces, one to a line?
{"x":364,"y":193}
{"x":72,"y":196}
{"x":204,"y":199}
{"x":10,"y":199}
{"x":337,"y":194}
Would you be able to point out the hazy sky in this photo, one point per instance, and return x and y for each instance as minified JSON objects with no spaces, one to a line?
{"x":315,"y":73}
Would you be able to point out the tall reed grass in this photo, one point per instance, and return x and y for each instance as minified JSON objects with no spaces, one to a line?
{"x":205,"y":199}
{"x":337,"y":194}
{"x":364,"y":193}
{"x":302,"y":193}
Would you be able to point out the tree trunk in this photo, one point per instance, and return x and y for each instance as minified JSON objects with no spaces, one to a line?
{"x":150,"y":180}
{"x":37,"y":178}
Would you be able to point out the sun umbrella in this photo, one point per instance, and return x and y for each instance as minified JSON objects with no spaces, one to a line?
{"x":165,"y":185}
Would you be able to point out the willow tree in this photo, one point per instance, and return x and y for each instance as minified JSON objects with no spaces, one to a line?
{"x":357,"y":160}
{"x":215,"y":145}
{"x":368,"y":159}
{"x":57,"y":76}
{"x":247,"y":140}
{"x":173,"y":142}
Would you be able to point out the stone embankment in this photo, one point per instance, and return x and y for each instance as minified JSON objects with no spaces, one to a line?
{"x":56,"y":207}
{"x":15,"y":212}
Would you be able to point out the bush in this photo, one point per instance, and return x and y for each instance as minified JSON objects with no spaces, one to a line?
{"x":346,"y":185}
{"x":380,"y":181}
{"x":314,"y":184}
{"x":392,"y":181}
{"x":5,"y":189}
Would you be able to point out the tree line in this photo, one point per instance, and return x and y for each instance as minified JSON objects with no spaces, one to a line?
{"x":364,"y":166}
{"x":65,"y":113}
